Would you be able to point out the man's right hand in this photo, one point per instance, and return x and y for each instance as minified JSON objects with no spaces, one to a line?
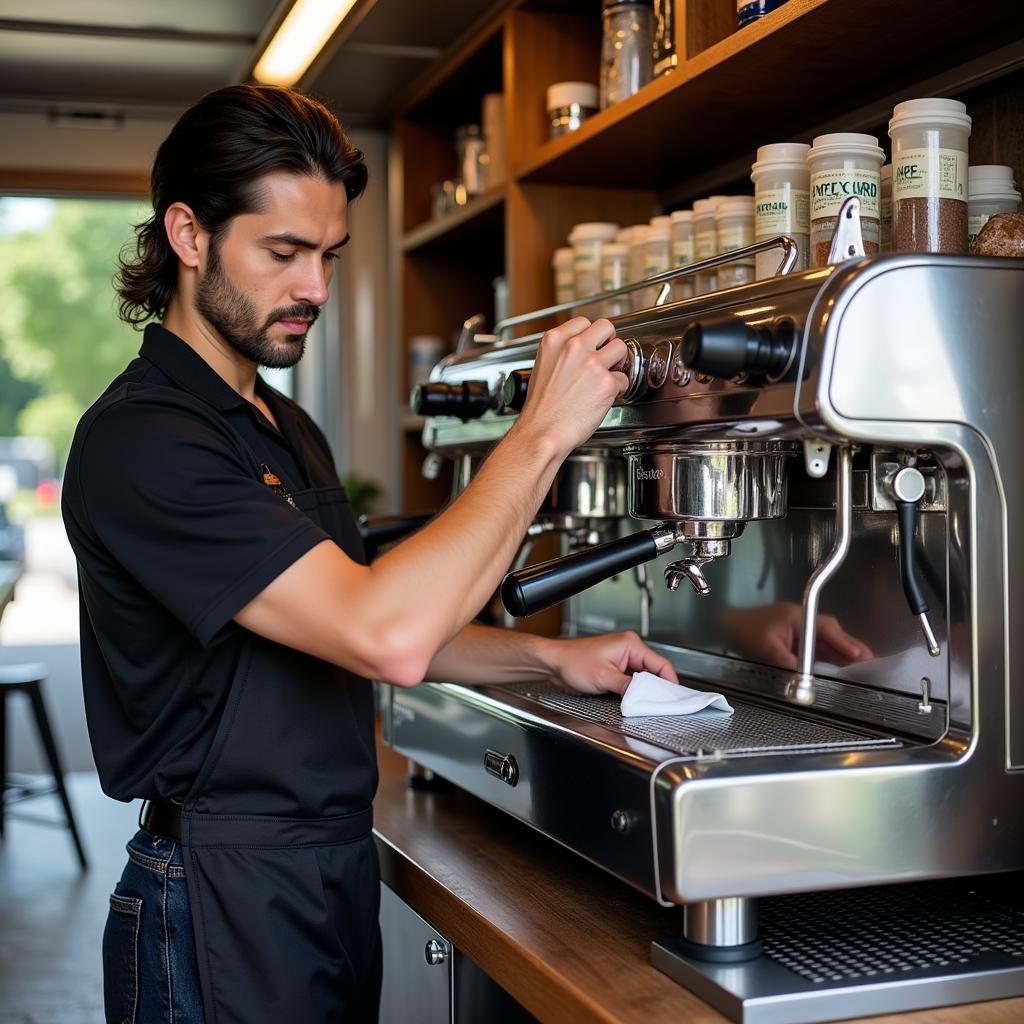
{"x":573,"y":384}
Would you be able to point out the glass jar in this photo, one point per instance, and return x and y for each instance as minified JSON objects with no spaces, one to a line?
{"x":626,"y":46}
{"x":682,"y":251}
{"x":885,"y":209}
{"x":657,"y":253}
{"x":841,"y":165}
{"x":562,"y":262}
{"x":705,"y":242}
{"x":663,"y":48}
{"x":637,"y":261}
{"x":781,"y":187}
{"x":470,"y":172}
{"x":615,"y":274}
{"x":569,"y":104}
{"x":586,"y":240}
{"x":748,"y":11}
{"x":990,"y":190}
{"x":929,"y":175}
{"x":734,"y":229}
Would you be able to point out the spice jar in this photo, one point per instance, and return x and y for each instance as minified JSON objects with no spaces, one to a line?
{"x":469,"y":145}
{"x":637,"y":262}
{"x":626,"y":46}
{"x":734,"y":229}
{"x":615,"y":274}
{"x":586,"y":240}
{"x":682,"y":251}
{"x":929,"y":175}
{"x":705,"y":242}
{"x":563,"y":262}
{"x":569,"y":104}
{"x":990,"y":190}
{"x":843,"y":164}
{"x":781,"y":186}
{"x":885,"y":209}
{"x":657,"y":253}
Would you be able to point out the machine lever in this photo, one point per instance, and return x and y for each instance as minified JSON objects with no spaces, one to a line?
{"x":908,"y":489}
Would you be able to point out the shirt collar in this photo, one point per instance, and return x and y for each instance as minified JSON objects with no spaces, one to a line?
{"x":187,"y":368}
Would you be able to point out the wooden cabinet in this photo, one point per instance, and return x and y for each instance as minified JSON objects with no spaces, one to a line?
{"x":811,"y":66}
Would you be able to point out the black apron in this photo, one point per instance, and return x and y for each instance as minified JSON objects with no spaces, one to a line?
{"x":282,"y":870}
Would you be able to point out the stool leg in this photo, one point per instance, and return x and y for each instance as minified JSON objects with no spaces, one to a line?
{"x":43,"y":724}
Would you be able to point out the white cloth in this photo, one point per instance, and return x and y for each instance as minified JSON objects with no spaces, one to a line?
{"x":648,"y":695}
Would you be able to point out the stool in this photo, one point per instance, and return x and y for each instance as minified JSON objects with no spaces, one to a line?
{"x":28,"y":679}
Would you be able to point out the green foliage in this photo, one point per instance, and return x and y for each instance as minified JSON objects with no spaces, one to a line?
{"x":15,"y":394}
{"x":362,"y":493}
{"x":59,"y":328}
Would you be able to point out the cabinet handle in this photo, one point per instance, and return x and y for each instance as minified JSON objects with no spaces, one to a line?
{"x":436,"y":953}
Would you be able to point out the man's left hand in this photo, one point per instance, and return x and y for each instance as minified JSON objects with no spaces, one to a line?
{"x":604,"y":664}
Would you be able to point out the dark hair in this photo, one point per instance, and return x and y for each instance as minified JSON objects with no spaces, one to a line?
{"x":212,"y":160}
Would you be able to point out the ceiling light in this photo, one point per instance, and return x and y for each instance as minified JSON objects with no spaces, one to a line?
{"x":300,"y":37}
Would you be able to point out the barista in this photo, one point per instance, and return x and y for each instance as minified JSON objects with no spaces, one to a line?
{"x":230,"y":624}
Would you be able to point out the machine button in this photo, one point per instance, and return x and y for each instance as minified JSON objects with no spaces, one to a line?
{"x":622,"y":822}
{"x":681,"y":376}
{"x":502,"y":766}
{"x":658,"y":364}
{"x":726,"y":347}
{"x":436,"y":953}
{"x":633,"y":367}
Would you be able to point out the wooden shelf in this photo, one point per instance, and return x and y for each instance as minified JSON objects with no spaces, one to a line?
{"x":769,"y":82}
{"x":483,"y":214}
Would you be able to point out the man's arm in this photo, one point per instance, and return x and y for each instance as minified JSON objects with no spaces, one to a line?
{"x":390,"y":619}
{"x":480,"y":655}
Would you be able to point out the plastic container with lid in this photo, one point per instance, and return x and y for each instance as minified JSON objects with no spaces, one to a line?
{"x":615,"y":274}
{"x":563,"y":264}
{"x":627,"y":40}
{"x":841,"y":165}
{"x":586,"y":240}
{"x":682,"y":251}
{"x":657,"y":253}
{"x":885,"y":209}
{"x":637,"y":261}
{"x":705,"y":242}
{"x":929,"y":175}
{"x":471,"y":173}
{"x":569,"y":104}
{"x":990,"y":190}
{"x":734,"y":228}
{"x":781,"y":187}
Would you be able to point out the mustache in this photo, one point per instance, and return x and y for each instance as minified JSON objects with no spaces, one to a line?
{"x":300,"y":311}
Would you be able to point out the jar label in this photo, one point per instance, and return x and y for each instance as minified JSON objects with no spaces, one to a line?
{"x":707,"y":242}
{"x":682,"y":252}
{"x":975,"y":222}
{"x":830,"y":188}
{"x":587,"y":257}
{"x":736,"y":236}
{"x":656,"y":263}
{"x":781,"y":211}
{"x":929,"y":173}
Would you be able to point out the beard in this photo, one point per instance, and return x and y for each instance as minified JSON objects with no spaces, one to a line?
{"x":234,"y":316}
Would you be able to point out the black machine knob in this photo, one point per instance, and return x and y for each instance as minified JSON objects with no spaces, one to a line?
{"x":469,"y":399}
{"x":727,"y":347}
{"x":513,"y":391}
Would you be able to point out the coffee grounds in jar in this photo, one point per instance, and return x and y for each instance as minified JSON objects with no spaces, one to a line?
{"x":923,"y":224}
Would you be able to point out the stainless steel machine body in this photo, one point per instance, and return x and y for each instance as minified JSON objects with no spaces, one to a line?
{"x":891,"y":388}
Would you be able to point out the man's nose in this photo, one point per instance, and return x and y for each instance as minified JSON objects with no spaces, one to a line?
{"x":312,"y":287}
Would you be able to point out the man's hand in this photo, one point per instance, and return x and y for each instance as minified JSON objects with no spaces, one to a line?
{"x":604,"y":664}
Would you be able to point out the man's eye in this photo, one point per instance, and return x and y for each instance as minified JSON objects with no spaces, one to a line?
{"x":282,"y":257}
{"x":330,"y":255}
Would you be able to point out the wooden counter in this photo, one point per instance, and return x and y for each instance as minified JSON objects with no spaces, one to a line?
{"x":569,"y":941}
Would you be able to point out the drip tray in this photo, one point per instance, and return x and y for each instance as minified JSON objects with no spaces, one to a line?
{"x":859,"y":952}
{"x":750,"y":730}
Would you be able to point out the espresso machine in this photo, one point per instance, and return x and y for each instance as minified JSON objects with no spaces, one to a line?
{"x":832,"y":449}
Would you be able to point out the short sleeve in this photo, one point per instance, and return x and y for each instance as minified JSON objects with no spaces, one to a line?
{"x":178,"y":503}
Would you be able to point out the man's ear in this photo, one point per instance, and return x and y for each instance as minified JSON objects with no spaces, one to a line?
{"x":186,"y":235}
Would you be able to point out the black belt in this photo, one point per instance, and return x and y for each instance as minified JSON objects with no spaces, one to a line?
{"x":162,"y":819}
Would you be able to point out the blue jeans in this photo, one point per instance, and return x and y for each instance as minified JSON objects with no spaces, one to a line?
{"x":149,"y":958}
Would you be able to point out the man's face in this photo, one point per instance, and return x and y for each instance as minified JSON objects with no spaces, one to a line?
{"x":268,"y":276}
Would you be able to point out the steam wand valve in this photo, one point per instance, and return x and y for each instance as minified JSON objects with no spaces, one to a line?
{"x":908,"y":488}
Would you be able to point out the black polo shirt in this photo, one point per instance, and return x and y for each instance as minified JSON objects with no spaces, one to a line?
{"x":175,"y":531}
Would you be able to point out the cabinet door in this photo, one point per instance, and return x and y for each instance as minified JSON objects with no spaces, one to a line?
{"x":414,"y":989}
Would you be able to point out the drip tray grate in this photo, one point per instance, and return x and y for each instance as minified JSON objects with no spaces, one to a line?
{"x":750,"y":730}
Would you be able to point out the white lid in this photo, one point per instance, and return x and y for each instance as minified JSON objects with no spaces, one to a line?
{"x":846,"y":144}
{"x":991,"y":181}
{"x":659,"y":232}
{"x":732,"y":206}
{"x":564,"y":94}
{"x":703,"y":207}
{"x":563,"y":256}
{"x":593,"y":231}
{"x":660,"y":222}
{"x":681,"y":216}
{"x":640,"y":233}
{"x":615,"y":250}
{"x":886,"y":172}
{"x":624,"y":235}
{"x":911,"y":113}
{"x":779,"y":156}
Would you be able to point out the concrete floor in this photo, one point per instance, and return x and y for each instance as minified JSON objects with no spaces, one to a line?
{"x":51,"y":914}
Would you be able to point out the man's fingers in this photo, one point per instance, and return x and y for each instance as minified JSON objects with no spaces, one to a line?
{"x":642,"y":658}
{"x":612,"y":352}
{"x":836,"y":637}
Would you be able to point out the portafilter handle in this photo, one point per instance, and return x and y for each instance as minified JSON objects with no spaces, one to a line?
{"x":539,"y":586}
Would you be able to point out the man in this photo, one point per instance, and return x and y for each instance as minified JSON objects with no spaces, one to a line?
{"x":229,"y":621}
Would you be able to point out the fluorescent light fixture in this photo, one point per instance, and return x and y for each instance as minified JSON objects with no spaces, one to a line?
{"x":301,"y":36}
